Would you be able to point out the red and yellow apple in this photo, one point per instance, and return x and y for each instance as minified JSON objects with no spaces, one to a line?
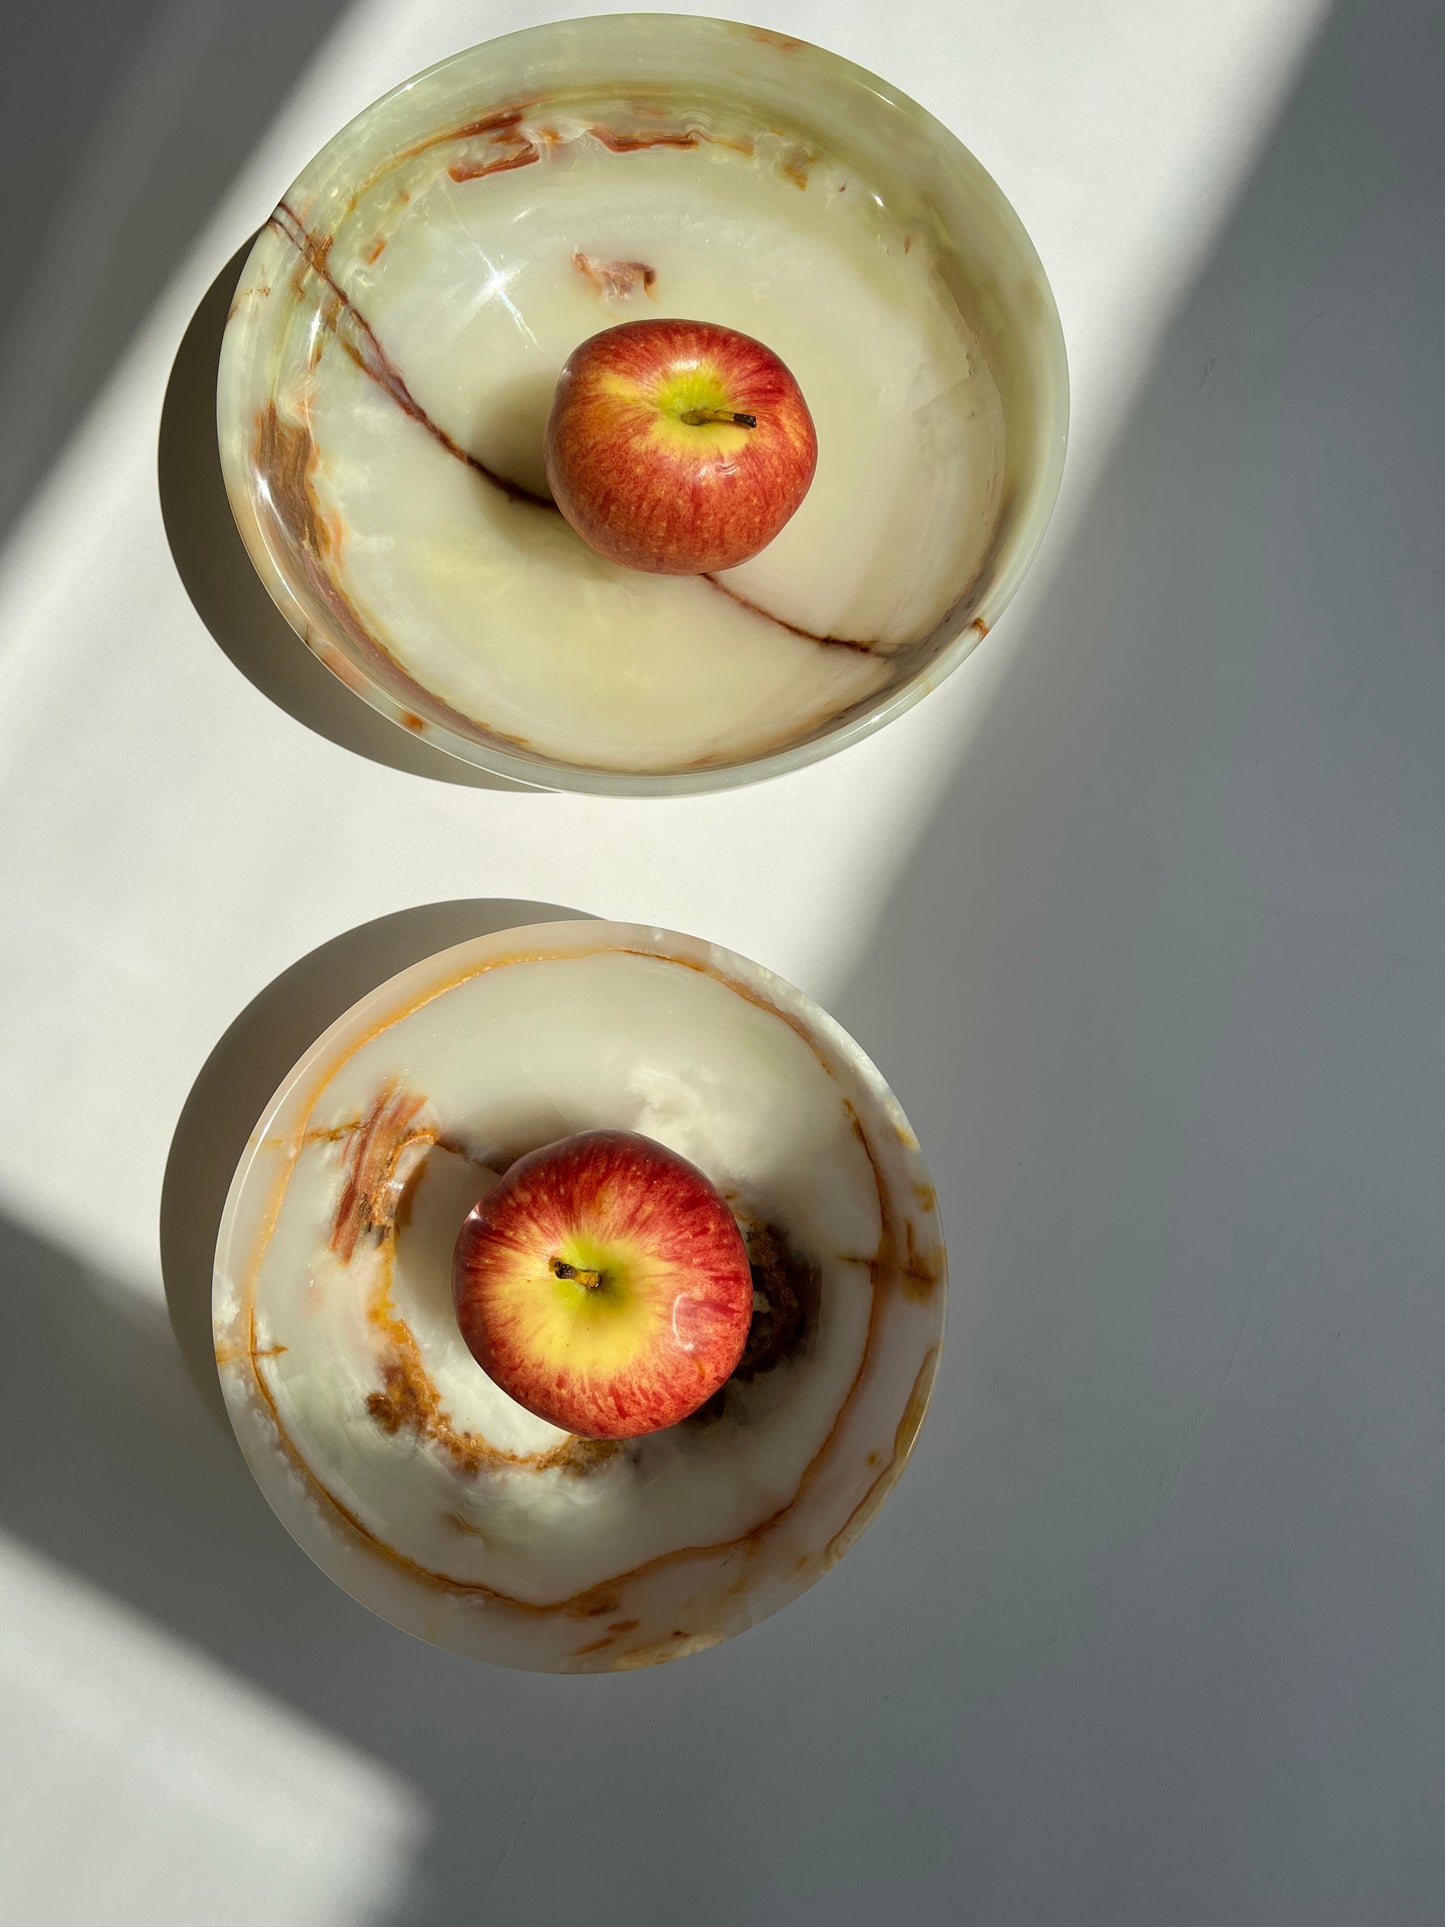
{"x":678,"y":447}
{"x":604,"y":1285}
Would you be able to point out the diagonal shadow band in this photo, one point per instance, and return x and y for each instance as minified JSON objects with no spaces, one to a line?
{"x":225,"y":590}
{"x":163,"y":103}
{"x":249,"y":1062}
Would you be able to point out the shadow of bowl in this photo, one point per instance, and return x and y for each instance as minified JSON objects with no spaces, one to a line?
{"x":249,"y":1062}
{"x":225,"y":590}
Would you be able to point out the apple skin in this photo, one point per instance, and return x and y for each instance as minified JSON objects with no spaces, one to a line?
{"x":653,"y":492}
{"x":663,"y":1326}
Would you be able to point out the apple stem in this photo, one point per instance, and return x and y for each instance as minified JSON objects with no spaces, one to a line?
{"x":695,"y":417}
{"x":592,"y":1279}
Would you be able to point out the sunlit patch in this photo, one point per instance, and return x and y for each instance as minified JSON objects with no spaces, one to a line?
{"x":234,"y":1793}
{"x":520,"y":633}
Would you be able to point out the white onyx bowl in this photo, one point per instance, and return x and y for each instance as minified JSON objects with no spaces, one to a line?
{"x":386,"y":1451}
{"x":399,"y":327}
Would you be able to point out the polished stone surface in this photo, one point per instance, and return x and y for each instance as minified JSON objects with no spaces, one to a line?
{"x":1142,"y":913}
{"x":398,"y":331}
{"x":397,"y":1463}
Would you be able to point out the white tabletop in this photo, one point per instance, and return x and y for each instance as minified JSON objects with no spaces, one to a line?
{"x":1142,"y":915}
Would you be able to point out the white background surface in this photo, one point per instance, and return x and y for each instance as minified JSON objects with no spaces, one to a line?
{"x":1142,"y":915}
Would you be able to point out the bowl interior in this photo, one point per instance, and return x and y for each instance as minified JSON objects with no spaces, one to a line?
{"x":392,"y":1459}
{"x":398,"y":330}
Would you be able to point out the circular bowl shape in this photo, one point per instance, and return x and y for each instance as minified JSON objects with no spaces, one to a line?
{"x":397,"y":333}
{"x":388,"y":1453}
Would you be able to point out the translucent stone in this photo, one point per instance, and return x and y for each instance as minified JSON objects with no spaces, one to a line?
{"x":402,"y":320}
{"x":402,"y":1468}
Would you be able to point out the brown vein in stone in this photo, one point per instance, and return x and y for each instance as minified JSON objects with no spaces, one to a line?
{"x":614,"y":279}
{"x":781,"y":622}
{"x":463,"y":171}
{"x":635,"y":143}
{"x":356,"y":336}
{"x":285,"y":456}
{"x":358,"y":339}
{"x":501,"y":128}
{"x":616,"y":143}
{"x":364,"y":1205}
{"x":904,"y":1434}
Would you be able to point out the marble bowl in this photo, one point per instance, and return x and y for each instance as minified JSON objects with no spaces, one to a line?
{"x":414,"y":1481}
{"x":399,"y":326}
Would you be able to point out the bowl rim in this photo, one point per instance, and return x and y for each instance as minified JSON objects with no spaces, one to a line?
{"x":537,"y":770}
